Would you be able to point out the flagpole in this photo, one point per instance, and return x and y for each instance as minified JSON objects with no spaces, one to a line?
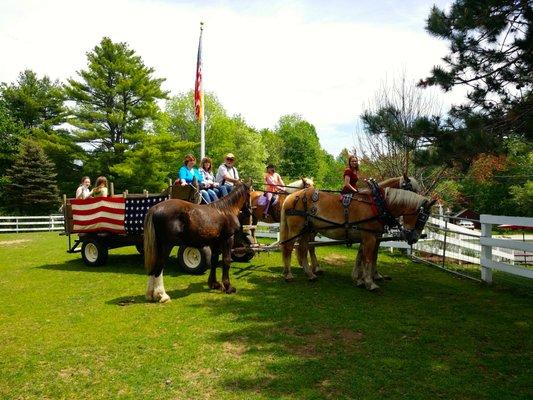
{"x":202,"y":121}
{"x":199,"y":105}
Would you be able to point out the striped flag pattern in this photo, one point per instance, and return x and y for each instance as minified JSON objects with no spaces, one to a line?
{"x":111,"y":214}
{"x":198,"y":87}
{"x":98,"y":214}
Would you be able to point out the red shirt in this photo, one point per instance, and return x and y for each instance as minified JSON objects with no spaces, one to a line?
{"x":353,"y":179}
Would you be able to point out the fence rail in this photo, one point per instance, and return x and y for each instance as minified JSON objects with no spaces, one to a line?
{"x":488,"y":263}
{"x":46,"y":223}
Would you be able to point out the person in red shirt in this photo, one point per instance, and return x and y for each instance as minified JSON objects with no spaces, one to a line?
{"x":351,"y":176}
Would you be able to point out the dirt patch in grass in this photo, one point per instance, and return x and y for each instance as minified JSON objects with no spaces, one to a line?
{"x":12,"y":242}
{"x":310,"y":344}
{"x":350,"y":338}
{"x":234,"y":349}
{"x":336,"y":260}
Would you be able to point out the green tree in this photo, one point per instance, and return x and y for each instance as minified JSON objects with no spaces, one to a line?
{"x":37,"y":104}
{"x":223,"y":134}
{"x":301,"y":151}
{"x":32,"y":187}
{"x":273,"y":145}
{"x":491,"y":47}
{"x":11,"y":132}
{"x":116,"y":98}
{"x":34,"y":102}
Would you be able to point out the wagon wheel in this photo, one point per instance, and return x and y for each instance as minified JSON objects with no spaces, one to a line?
{"x":242,"y":243}
{"x":192,"y":260}
{"x":94,"y":253}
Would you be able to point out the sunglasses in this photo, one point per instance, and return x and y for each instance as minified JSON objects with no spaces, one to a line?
{"x":230,"y":159}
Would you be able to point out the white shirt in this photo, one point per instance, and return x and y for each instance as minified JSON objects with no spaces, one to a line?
{"x":222,"y":171}
{"x":82,"y":192}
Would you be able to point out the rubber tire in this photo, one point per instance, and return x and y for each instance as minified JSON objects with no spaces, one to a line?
{"x":94,"y":253}
{"x":247,"y":255}
{"x":192,"y":260}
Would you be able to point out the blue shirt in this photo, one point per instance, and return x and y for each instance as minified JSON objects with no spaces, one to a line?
{"x":188,"y":175}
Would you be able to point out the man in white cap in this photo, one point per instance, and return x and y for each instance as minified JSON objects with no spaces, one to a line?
{"x":227,"y":175}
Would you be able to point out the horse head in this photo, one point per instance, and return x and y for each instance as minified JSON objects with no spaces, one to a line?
{"x":413,"y":224}
{"x":409,"y":183}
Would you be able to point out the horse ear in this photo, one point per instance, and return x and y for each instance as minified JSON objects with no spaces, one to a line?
{"x":405,"y":177}
{"x":249,"y":181}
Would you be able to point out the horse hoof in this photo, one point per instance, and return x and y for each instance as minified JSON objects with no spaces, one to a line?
{"x":313,"y":278}
{"x":149,"y":296}
{"x":289,"y":278}
{"x":230,"y":290}
{"x":165,"y":298}
{"x":214,"y":285}
{"x":372,"y":287}
{"x":359,"y":283}
{"x":319,"y":272}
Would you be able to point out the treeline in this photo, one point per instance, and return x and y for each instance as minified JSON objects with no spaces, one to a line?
{"x":114,"y":119}
{"x":107,"y":121}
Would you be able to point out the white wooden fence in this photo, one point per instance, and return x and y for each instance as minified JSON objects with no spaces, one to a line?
{"x":31,"y":224}
{"x":489,"y":243}
{"x":455,"y":242}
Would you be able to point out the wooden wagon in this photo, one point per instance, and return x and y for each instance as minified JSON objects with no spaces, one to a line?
{"x":94,"y":226}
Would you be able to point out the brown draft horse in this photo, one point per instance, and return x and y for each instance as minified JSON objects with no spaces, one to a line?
{"x":308,"y":211}
{"x":212,"y":226}
{"x":399,"y":182}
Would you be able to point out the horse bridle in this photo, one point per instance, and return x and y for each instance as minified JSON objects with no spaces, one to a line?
{"x":407,"y":185}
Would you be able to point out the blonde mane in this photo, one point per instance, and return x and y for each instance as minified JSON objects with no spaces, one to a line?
{"x":400,"y":179}
{"x":403,"y":198}
{"x":299,"y":184}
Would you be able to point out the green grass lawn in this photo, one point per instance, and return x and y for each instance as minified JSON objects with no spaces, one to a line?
{"x":68,"y":331}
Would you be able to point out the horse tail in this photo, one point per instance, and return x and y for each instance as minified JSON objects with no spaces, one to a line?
{"x":150,"y":246}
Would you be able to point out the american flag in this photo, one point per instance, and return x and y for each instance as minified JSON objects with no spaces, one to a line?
{"x":111,"y":214}
{"x":198,"y":87}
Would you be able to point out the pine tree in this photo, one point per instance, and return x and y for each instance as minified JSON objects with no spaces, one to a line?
{"x":115,"y":100}
{"x":32,"y":187}
{"x":491,"y":53}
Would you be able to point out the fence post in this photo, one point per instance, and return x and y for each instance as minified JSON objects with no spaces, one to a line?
{"x":444,"y":243}
{"x":51,"y":223}
{"x":486,"y":253}
{"x":16,"y":225}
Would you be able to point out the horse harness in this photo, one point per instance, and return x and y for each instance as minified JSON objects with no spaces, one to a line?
{"x":377,"y":202}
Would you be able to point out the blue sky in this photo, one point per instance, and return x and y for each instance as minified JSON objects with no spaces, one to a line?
{"x":322,"y":60}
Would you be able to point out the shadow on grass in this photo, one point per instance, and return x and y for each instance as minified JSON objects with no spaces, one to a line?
{"x":424,"y":334}
{"x":192,"y":288}
{"x":116,"y":263}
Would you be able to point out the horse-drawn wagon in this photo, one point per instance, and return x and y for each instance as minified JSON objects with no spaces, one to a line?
{"x":104,"y":223}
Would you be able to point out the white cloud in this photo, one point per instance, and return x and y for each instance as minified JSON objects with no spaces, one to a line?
{"x":261,"y":62}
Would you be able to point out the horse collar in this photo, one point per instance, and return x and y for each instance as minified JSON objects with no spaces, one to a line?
{"x":380,"y":207}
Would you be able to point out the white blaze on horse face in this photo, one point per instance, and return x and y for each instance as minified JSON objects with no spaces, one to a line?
{"x":159,"y":290}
